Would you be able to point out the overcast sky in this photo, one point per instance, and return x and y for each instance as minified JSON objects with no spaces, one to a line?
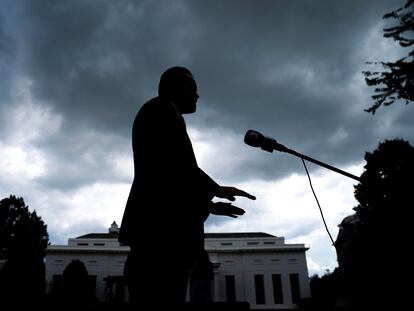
{"x":74,"y":73}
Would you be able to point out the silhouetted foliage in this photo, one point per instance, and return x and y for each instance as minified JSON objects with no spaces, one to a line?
{"x":385,"y":195}
{"x":23,"y":241}
{"x":21,"y":231}
{"x":323,"y":292}
{"x":386,"y":183}
{"x":22,"y":281}
{"x":397,"y":80}
{"x":75,"y":291}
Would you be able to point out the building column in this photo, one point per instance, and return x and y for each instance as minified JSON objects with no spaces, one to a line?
{"x":216,"y":283}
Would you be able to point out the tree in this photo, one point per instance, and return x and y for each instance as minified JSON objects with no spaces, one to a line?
{"x":76,"y":291}
{"x":23,"y":242}
{"x":382,"y":232}
{"x":397,"y":80}
{"x":385,"y":188}
{"x":21,"y":231}
{"x":324,"y":291}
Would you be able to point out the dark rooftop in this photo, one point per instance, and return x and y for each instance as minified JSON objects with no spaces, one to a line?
{"x":110,"y":235}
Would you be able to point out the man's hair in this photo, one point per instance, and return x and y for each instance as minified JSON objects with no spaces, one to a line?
{"x":171,"y":81}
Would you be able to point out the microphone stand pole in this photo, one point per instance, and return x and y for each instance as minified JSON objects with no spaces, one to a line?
{"x":282,"y":148}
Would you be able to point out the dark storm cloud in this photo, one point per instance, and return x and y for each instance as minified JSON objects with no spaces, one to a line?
{"x":98,"y":60}
{"x":289,"y":70}
{"x":7,"y":59}
{"x":286,"y":68}
{"x":5,"y":50}
{"x":74,"y":73}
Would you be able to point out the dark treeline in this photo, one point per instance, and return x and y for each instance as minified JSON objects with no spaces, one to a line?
{"x":372,"y":243}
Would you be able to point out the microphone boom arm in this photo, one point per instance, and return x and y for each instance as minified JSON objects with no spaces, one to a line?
{"x":282,"y":148}
{"x":255,"y":139}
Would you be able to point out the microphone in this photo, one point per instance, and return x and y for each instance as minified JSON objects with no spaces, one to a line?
{"x":255,"y":139}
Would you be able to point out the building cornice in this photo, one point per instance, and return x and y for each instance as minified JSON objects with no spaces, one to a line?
{"x":258,"y":250}
{"x":87,"y":250}
{"x":125,"y":250}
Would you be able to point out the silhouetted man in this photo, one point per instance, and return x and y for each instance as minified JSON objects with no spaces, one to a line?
{"x":170,"y":197}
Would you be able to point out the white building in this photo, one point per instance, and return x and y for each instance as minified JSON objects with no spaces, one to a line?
{"x":253,"y":266}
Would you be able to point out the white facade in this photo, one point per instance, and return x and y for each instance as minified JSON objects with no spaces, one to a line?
{"x":255,"y":267}
{"x":247,"y":256}
{"x":101,"y":261}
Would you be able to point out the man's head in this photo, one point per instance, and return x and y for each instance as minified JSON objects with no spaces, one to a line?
{"x":178,"y":85}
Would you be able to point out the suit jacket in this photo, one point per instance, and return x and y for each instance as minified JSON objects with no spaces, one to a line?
{"x":170,"y":194}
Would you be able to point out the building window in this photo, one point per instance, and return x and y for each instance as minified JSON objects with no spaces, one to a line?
{"x":226,"y":243}
{"x":277,"y":288}
{"x":274,"y":261}
{"x":92,"y":263}
{"x":91,"y":285}
{"x":98,"y":244}
{"x":230,"y":288}
{"x":260,"y":289}
{"x":252,"y":243}
{"x":257,"y":262}
{"x":56,"y":286}
{"x":292,"y":261}
{"x":82,"y":244}
{"x":229,"y":262}
{"x":59,"y":262}
{"x":269,"y":242}
{"x":294,"y":287}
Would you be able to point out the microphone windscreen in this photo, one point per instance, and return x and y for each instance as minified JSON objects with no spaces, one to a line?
{"x":253,"y":138}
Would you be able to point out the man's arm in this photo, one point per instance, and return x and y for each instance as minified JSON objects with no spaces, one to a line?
{"x":224,"y":192}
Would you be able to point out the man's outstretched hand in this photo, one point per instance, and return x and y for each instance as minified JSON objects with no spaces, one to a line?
{"x":226,"y":209}
{"x":230,"y":193}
